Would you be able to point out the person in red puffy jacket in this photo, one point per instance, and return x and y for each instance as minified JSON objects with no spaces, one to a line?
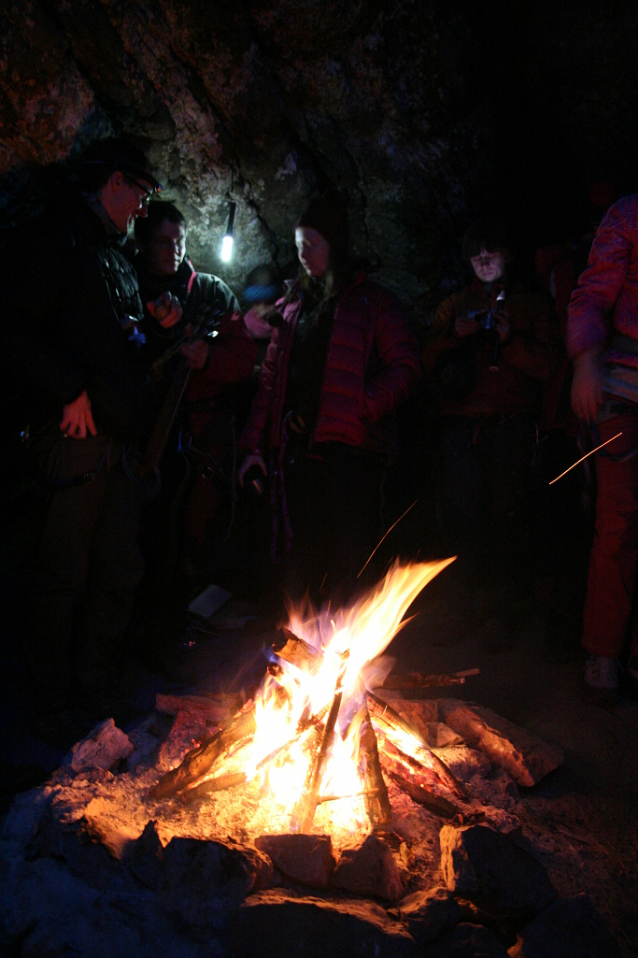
{"x":341,"y":359}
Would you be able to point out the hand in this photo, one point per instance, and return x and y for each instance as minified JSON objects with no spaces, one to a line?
{"x":463,"y":326}
{"x":247,"y":465}
{"x":195,"y":354}
{"x":166,"y":309}
{"x":77,"y":418}
{"x":587,"y":386}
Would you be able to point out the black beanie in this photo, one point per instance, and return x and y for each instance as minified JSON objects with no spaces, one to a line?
{"x":328,"y":215}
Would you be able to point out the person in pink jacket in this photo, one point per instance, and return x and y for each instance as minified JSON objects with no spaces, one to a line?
{"x":341,"y":359}
{"x":602,"y":341}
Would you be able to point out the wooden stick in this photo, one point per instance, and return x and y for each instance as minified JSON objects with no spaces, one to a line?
{"x":198,"y":762}
{"x":305,"y":812}
{"x":382,"y":712}
{"x":299,"y":653}
{"x":393,"y":752}
{"x":303,"y":726}
{"x":415,"y":680}
{"x":434,"y":803}
{"x":376,"y":792}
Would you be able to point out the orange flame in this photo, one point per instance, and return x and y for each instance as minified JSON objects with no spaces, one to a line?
{"x":286,"y":702}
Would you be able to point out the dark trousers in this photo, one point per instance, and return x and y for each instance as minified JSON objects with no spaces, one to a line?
{"x":87,"y":567}
{"x":486,"y":478}
{"x":335,"y":504}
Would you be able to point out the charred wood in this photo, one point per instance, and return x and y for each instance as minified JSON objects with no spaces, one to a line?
{"x":415,"y":680}
{"x":434,"y":803}
{"x":198,"y":763}
{"x":385,"y":716}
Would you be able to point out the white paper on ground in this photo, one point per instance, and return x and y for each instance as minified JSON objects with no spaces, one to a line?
{"x":208,"y":601}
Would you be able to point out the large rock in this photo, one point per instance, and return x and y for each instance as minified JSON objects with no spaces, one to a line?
{"x":105,"y":824}
{"x":274,"y":924}
{"x":369,"y":870}
{"x":304,"y":858}
{"x":429,"y":913}
{"x":569,"y":928}
{"x":201,"y":882}
{"x":527,"y":758}
{"x":481,"y":864}
{"x":466,"y":941}
{"x":105,"y":747}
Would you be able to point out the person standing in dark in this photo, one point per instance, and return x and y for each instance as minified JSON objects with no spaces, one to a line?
{"x":72,"y":308}
{"x":222,"y":357}
{"x":341,"y":359}
{"x":492,"y":346}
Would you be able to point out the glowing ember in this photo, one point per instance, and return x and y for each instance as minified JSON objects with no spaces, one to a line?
{"x":307,"y":754}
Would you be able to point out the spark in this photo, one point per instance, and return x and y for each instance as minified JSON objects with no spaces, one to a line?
{"x":591,"y":453}
{"x":388,"y":533}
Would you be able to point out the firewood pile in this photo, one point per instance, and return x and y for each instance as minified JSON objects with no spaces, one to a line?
{"x":203,"y":770}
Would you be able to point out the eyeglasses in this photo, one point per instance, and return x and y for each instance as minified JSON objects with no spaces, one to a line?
{"x":146,"y":193}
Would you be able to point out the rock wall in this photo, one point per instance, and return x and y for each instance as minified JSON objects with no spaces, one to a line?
{"x":424,"y":111}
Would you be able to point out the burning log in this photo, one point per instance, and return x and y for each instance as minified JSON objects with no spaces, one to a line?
{"x":219,"y":784}
{"x":415,"y":680}
{"x":199,"y":762}
{"x":434,"y":803}
{"x":376,"y":792}
{"x":386,"y":717}
{"x":414,"y":779}
{"x":307,"y":806}
{"x":298,"y":653}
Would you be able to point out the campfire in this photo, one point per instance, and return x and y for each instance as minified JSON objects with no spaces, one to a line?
{"x":314,"y":737}
{"x":327,"y":807}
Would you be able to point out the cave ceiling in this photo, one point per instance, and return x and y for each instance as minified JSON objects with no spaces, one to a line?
{"x":424,"y":112}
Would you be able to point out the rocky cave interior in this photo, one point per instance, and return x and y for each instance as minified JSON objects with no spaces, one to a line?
{"x":426,"y":114}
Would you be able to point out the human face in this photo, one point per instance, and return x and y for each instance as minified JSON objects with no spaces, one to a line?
{"x":313,"y":250}
{"x":124,"y":199}
{"x":488,"y":266}
{"x":165,"y":250}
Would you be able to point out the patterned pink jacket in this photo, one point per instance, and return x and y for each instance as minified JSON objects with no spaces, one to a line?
{"x":371,"y":365}
{"x":605,"y":301}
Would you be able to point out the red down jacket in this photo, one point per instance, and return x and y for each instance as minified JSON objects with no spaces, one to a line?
{"x":371,"y":365}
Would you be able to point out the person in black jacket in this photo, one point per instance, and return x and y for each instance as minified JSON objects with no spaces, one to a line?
{"x":223,"y":356}
{"x":73,"y":304}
